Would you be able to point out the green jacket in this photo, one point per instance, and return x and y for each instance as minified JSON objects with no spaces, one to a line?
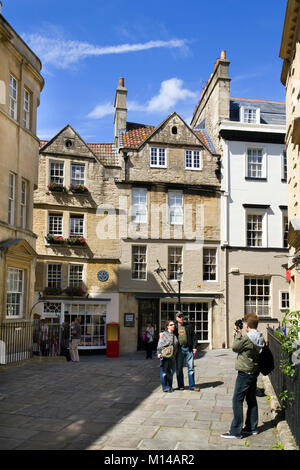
{"x":248,"y":351}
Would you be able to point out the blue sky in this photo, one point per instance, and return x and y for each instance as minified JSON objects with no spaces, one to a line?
{"x":165,"y":50}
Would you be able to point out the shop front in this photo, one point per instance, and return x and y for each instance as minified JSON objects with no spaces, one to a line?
{"x":93,"y":316}
{"x":157,"y":310}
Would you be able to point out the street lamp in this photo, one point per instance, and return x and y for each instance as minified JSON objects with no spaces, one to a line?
{"x":179,"y":275}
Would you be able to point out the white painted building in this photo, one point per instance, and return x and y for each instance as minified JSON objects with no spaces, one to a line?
{"x":250,"y":137}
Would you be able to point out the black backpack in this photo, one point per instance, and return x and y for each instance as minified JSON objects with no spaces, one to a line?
{"x":265,"y":361}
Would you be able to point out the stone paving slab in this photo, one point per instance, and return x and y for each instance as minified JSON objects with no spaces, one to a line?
{"x":114,"y":404}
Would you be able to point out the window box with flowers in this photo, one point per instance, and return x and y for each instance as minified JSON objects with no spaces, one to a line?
{"x":79,"y":189}
{"x":57,"y":187}
{"x":77,"y":241}
{"x":52,"y":291}
{"x":75,"y":292}
{"x":55,"y":239}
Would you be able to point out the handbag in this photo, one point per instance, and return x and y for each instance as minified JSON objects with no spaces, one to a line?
{"x":168,"y":352}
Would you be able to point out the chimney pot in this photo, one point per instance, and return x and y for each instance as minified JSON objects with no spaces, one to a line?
{"x":223,"y":55}
{"x":1,"y":5}
{"x":121,"y":83}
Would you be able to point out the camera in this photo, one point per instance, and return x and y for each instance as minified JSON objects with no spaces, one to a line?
{"x":239,"y":324}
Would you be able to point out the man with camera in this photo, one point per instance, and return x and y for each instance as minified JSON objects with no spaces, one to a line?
{"x":248,"y":348}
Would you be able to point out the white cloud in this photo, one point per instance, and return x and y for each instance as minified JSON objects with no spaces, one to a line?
{"x":171,"y":91}
{"x":101,"y":111}
{"x":62,"y":53}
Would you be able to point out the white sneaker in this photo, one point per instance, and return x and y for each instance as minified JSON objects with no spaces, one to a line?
{"x":228,"y":435}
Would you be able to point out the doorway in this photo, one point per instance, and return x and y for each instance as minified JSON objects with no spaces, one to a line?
{"x":148,"y":312}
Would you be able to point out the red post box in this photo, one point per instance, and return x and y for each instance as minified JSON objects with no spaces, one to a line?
{"x":113,"y":339}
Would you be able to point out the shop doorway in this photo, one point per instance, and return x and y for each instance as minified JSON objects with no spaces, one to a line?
{"x":148,"y":311}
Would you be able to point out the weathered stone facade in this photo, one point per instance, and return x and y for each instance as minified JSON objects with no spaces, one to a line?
{"x":290,"y":78}
{"x":20,"y":86}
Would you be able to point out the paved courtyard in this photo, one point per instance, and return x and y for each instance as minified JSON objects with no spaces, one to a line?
{"x":103,"y":403}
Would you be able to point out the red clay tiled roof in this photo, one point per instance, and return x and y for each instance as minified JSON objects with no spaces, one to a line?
{"x":107,"y":153}
{"x":135,"y":137}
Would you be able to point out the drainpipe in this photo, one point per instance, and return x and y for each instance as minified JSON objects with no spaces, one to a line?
{"x":126,"y":158}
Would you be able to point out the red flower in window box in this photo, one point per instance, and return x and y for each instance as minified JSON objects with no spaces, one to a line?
{"x":77,"y":241}
{"x":55,"y":239}
{"x":57,"y":187}
{"x":78,"y":189}
{"x":75,"y":291}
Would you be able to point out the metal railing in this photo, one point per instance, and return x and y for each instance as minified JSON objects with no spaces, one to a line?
{"x":16,"y":339}
{"x":282,"y":382}
{"x":46,"y":338}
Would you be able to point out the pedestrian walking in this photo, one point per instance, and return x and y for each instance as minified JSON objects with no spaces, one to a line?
{"x":187,"y":348}
{"x":76,"y":338}
{"x":65,"y":341}
{"x":167,"y":361}
{"x":148,"y":340}
{"x":248,"y":348}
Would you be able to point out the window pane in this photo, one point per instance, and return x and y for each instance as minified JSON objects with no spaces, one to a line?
{"x":257,"y":298}
{"x":57,"y":172}
{"x":77,"y":174}
{"x":139,"y":266}
{"x":174,"y":261}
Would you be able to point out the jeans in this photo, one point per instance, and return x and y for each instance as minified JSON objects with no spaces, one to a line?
{"x":245,"y":387}
{"x":167,"y":367}
{"x":185,"y":353}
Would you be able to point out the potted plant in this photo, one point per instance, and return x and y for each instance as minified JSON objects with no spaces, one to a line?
{"x":52,"y":291}
{"x":57,"y":187}
{"x":77,"y":241}
{"x":78,"y":189}
{"x":55,"y":239}
{"x":75,"y":291}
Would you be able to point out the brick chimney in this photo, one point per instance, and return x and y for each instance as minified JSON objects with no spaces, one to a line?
{"x":120,"y":110}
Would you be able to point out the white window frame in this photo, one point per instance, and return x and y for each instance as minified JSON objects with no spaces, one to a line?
{"x":263,"y":214}
{"x":58,"y":279}
{"x":284,"y":166}
{"x":26,"y":108}
{"x":14,"y":291}
{"x":210,"y":248}
{"x":13,"y":97}
{"x":192,"y":155}
{"x":154,"y":153}
{"x":11,"y":197}
{"x":81,"y":232}
{"x":59,"y":217}
{"x":244,"y":109}
{"x":24,"y":194}
{"x":145,"y":263}
{"x":74,"y":180}
{"x":284,"y":227}
{"x":80,"y":282}
{"x":281,"y":300}
{"x":258,"y":148}
{"x":57,"y":177}
{"x":179,"y":266}
{"x":139,"y":208}
{"x":257,"y":295}
{"x":175,"y":210}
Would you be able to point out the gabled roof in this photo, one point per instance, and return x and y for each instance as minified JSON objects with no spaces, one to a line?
{"x":106,"y":153}
{"x":134,"y":138}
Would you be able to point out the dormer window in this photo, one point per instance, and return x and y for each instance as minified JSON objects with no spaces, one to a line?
{"x":250,"y":115}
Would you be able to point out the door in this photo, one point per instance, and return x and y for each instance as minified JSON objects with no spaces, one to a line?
{"x":148,"y":312}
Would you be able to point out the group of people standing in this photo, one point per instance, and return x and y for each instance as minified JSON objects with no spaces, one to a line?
{"x":70,"y":340}
{"x":178,"y":343}
{"x":181,"y":337}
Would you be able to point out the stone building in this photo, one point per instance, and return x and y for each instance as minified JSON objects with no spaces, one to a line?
{"x":290,"y":78}
{"x":249,"y":135}
{"x":77,"y":265}
{"x":20,"y":86}
{"x":170,"y":228}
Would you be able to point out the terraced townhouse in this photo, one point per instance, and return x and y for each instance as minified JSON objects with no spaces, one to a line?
{"x":249,"y":134}
{"x":21,"y":83}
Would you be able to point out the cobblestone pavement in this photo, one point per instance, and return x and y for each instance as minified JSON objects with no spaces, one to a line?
{"x":103,"y":403}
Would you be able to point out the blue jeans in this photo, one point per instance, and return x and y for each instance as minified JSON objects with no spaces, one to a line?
{"x":245,"y":387}
{"x":185,"y":353}
{"x":166,"y":373}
